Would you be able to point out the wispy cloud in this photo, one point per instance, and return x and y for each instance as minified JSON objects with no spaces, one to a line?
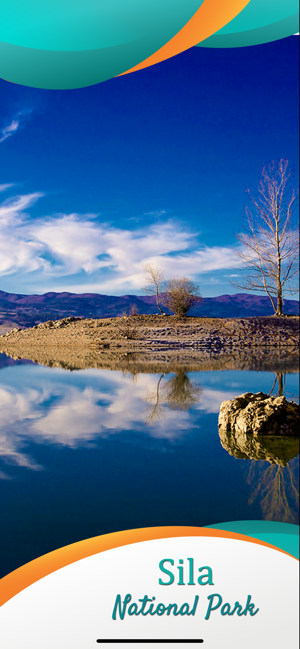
{"x":156,"y":213}
{"x":3,"y":188}
{"x":19,"y":250}
{"x":9,"y":129}
{"x":108,"y":258}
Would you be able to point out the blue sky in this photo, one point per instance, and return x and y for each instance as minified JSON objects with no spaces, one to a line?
{"x":151,"y":166}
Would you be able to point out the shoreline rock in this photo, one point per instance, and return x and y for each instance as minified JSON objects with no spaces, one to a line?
{"x":258,"y":414}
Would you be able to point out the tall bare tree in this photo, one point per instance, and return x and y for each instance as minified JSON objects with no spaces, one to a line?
{"x":154,"y":283}
{"x":180,"y":295}
{"x":269,"y":249}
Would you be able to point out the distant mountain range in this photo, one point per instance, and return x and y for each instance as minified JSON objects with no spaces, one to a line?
{"x":28,"y":310}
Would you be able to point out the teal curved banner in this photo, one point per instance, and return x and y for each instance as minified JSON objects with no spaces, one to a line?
{"x":260,"y":22}
{"x":62,"y":44}
{"x":282,"y":535}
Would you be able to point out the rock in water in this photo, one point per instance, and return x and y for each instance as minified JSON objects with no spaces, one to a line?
{"x":259,"y":414}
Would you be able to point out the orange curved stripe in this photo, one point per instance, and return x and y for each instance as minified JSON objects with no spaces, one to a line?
{"x":211,"y":16}
{"x":32,"y":572}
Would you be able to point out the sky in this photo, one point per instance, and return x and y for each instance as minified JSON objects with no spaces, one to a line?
{"x":148,"y":167}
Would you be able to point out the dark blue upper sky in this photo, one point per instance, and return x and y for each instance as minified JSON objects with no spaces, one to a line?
{"x":169,"y":149}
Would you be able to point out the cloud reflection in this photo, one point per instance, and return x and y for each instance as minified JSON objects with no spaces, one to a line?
{"x":74,"y":414}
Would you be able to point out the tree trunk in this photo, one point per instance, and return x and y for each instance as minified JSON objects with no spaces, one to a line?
{"x":279,"y":310}
{"x":280,"y":383}
{"x":157,"y":302}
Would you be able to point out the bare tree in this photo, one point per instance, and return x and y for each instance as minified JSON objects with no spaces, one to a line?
{"x":154,"y":283}
{"x":180,"y":295}
{"x":270,"y":245}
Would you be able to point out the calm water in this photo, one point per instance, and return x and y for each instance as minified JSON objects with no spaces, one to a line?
{"x":88,"y":452}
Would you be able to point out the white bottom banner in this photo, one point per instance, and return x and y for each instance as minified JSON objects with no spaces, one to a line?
{"x":201,"y":591}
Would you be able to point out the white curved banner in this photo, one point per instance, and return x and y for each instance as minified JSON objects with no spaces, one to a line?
{"x":210,"y":592}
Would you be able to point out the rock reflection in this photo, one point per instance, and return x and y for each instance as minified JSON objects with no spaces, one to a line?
{"x":274,"y":449}
{"x":275,"y":486}
{"x":260,"y":359}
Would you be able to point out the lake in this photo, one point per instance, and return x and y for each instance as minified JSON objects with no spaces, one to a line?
{"x":87,"y":452}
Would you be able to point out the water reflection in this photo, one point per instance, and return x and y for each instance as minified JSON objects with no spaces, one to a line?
{"x":276,"y":488}
{"x":274,"y":449}
{"x":272,"y":471}
{"x":54,"y":407}
{"x":178,"y":393}
{"x":91,"y":451}
{"x":47,"y":409}
{"x":279,"y":381}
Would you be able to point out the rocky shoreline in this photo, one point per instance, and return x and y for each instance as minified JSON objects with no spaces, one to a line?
{"x":205,"y":343}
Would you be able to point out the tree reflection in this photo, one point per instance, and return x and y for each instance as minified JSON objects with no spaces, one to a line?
{"x":156,"y":412}
{"x":277,"y":489}
{"x":178,"y":393}
{"x":271,"y":473}
{"x":280,"y":381}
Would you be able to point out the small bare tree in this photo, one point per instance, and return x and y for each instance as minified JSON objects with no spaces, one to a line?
{"x":180,"y":295}
{"x":154,"y":283}
{"x":270,"y":245}
{"x":127,"y":330}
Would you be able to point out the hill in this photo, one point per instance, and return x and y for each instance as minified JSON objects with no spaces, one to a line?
{"x":29,"y":310}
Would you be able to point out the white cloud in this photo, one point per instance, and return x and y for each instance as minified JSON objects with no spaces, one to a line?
{"x":112,"y":257}
{"x":3,"y":188}
{"x":8,"y":130}
{"x":19,"y":250}
{"x":156,"y":213}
